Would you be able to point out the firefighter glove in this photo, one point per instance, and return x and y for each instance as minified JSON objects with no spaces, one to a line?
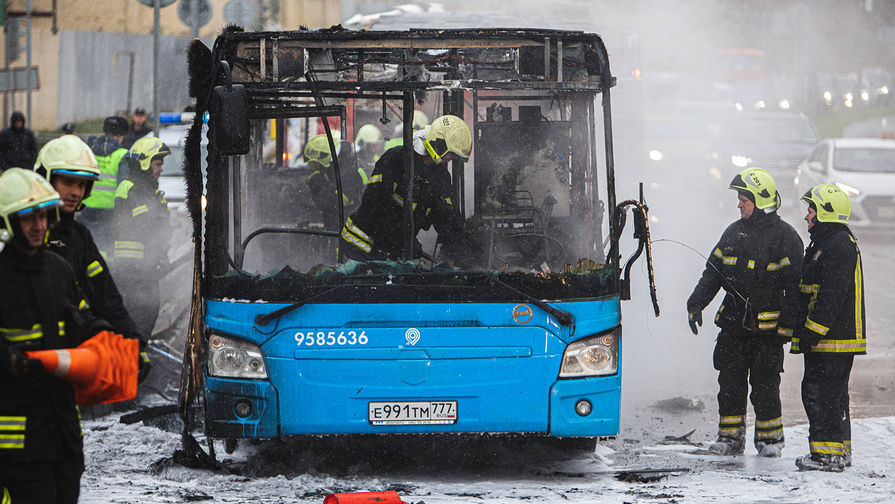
{"x":13,"y":356}
{"x":695,"y":320}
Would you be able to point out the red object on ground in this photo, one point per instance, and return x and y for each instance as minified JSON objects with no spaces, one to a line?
{"x":382,"y":497}
{"x":102,"y":369}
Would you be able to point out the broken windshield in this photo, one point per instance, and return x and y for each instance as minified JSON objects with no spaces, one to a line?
{"x":337,"y":189}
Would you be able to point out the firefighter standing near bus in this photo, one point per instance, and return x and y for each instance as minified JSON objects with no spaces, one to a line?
{"x":833,"y":332}
{"x":41,"y":308}
{"x":142,"y":231}
{"x":70,"y":166}
{"x":758,"y":263}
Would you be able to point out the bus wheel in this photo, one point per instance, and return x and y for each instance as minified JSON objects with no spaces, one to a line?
{"x":230,"y":445}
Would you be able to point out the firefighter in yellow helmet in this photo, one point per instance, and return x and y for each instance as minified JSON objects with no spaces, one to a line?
{"x":70,"y":166}
{"x":142,"y":231}
{"x":41,"y":444}
{"x":757,"y":262}
{"x":377,"y":230}
{"x":368,"y":147}
{"x":832,"y":332}
{"x":322,"y":180}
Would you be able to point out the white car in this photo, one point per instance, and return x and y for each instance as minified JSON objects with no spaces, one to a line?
{"x":862,"y":167}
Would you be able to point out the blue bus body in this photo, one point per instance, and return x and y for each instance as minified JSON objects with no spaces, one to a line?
{"x":503,"y":374}
{"x":523,"y":335}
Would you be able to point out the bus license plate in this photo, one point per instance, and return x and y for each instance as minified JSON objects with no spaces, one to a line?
{"x":412,"y":412}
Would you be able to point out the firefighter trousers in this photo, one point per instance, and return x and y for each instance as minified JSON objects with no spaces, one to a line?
{"x":745,"y":360}
{"x":57,"y":482}
{"x":825,"y":397}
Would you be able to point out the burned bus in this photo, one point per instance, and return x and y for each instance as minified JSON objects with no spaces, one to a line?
{"x":522,"y":336}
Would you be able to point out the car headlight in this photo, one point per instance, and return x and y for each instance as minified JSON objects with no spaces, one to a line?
{"x":740,"y":161}
{"x":592,"y":356}
{"x":656,"y":155}
{"x":233,"y":358}
{"x":784,"y":104}
{"x":849,"y":190}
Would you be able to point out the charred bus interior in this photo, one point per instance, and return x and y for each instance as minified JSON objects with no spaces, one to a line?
{"x":533,"y":195}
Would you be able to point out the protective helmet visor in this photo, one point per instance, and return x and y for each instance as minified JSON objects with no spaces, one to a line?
{"x":76,"y":174}
{"x":48,"y":205}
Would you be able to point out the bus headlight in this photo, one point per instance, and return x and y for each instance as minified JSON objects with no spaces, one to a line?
{"x":591,"y":356}
{"x":233,"y":358}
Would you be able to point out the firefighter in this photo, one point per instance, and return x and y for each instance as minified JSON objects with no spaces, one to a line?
{"x":98,"y":213}
{"x":832,"y":299}
{"x":322,"y":181}
{"x":41,"y":307}
{"x":757,"y":262}
{"x":368,"y":148}
{"x":142,"y":231}
{"x":374,"y":231}
{"x":70,"y":167}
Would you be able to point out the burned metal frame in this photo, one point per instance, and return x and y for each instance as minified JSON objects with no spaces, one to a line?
{"x":301,"y":73}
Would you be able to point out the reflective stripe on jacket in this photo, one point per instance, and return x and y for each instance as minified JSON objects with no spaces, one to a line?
{"x":758,"y":263}
{"x":832,"y":293}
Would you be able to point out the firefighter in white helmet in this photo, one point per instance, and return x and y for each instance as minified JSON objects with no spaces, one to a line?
{"x":376,"y":230}
{"x":368,"y":147}
{"x":41,"y":444}
{"x":70,"y":166}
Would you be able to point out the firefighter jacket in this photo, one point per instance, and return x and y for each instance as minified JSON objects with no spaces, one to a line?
{"x":142,"y":227}
{"x":41,"y":308}
{"x":112,"y":168}
{"x":73,"y":241}
{"x":757,"y":262}
{"x":832,"y":294}
{"x":376,"y":226}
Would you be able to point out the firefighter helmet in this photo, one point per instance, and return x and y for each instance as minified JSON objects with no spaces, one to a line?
{"x":23,"y":191}
{"x":446,"y":134}
{"x":317,"y":149}
{"x":68,"y":155}
{"x":830,"y":203}
{"x":758,"y":186}
{"x":367,"y":135}
{"x":145,"y":150}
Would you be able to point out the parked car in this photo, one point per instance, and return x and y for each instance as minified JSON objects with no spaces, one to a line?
{"x":862,"y":167}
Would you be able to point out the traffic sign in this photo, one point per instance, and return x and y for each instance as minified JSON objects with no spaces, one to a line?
{"x":185,"y":11}
{"x":17,"y":79}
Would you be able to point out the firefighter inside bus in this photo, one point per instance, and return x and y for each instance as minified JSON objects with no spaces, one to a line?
{"x":376,"y":231}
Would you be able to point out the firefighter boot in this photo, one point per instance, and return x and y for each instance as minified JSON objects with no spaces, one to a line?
{"x":821,"y":462}
{"x":729,"y":445}
{"x":768,"y":449}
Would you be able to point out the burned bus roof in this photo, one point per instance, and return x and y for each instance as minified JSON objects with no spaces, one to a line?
{"x":380,"y":61}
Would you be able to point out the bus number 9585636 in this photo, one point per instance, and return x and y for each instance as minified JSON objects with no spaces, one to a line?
{"x":330,"y":338}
